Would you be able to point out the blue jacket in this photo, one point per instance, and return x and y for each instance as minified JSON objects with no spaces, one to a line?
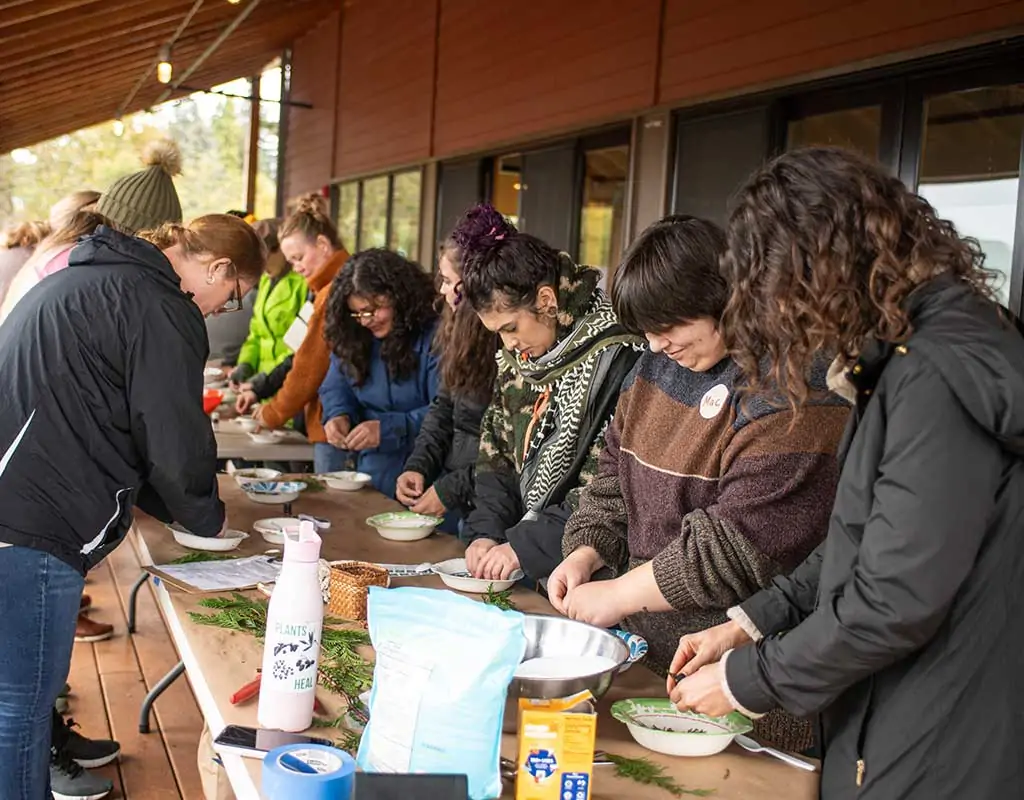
{"x":399,"y":405}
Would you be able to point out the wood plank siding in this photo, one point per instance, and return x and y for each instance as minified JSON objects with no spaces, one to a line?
{"x":519,"y":71}
{"x":310,"y":150}
{"x":423,"y":79}
{"x":387,"y":78}
{"x":721,"y":47}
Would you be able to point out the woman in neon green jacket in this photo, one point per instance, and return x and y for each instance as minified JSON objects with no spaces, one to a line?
{"x":279,"y":299}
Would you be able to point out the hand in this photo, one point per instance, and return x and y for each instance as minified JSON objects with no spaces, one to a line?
{"x":246,"y":400}
{"x":257,"y":414}
{"x":223,"y":529}
{"x":578,"y":568}
{"x":430,"y":504}
{"x":475,"y":554}
{"x":409,"y":488}
{"x":364,"y":436}
{"x":706,"y":647}
{"x":337,"y":431}
{"x":597,"y":603}
{"x":702,"y":692}
{"x":499,"y":563}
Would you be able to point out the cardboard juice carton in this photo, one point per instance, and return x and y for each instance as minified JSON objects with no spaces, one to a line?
{"x":556,"y":748}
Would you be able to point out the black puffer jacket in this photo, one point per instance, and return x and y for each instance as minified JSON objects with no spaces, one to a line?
{"x":102,"y":373}
{"x":906,"y":627}
{"x":447,"y":447}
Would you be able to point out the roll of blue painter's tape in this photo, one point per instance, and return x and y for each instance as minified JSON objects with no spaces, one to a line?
{"x":332,"y":778}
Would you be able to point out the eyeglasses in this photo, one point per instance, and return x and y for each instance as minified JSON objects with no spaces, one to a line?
{"x":234,"y":303}
{"x":364,"y":316}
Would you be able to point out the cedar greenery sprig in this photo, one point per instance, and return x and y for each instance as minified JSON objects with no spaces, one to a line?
{"x":237,"y":613}
{"x":195,"y":558}
{"x":349,"y":742}
{"x":502,"y":600}
{"x":642,"y":770}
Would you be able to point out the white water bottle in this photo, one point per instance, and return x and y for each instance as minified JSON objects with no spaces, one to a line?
{"x":291,"y":649}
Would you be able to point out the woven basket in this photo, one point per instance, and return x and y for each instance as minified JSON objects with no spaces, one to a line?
{"x":350,"y":584}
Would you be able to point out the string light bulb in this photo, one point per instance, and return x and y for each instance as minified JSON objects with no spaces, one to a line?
{"x":234,"y":2}
{"x":118,"y":127}
{"x":164,"y":69}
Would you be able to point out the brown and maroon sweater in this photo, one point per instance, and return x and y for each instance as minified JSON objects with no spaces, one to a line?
{"x":720,"y":496}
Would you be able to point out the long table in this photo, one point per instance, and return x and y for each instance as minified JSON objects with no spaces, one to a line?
{"x":219,"y":662}
{"x":233,"y":442}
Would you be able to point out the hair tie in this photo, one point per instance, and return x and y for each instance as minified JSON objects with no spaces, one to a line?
{"x":493,"y":231}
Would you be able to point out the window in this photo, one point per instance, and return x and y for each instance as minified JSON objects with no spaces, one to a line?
{"x":602,"y":216}
{"x":381,"y":212}
{"x":405,"y":214}
{"x":970,"y":167}
{"x":858,"y":129}
{"x":507,"y":192}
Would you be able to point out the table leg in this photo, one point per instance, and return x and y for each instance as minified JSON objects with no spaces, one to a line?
{"x":155,"y":692}
{"x":133,"y":599}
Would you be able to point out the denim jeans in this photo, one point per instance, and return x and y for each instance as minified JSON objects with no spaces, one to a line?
{"x":328,"y":458}
{"x":39,"y":597}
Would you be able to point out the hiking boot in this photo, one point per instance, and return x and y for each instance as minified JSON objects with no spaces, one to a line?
{"x":88,"y":631}
{"x":85,"y":602}
{"x":68,"y":781}
{"x":87,"y":753}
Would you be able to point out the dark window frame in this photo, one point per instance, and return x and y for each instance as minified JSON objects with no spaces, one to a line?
{"x":357,"y":244}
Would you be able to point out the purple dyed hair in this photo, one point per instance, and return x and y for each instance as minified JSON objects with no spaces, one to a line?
{"x":479,"y":229}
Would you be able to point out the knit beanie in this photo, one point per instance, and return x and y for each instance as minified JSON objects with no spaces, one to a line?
{"x":146,"y":200}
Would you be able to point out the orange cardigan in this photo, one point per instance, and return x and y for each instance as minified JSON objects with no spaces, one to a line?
{"x":309,"y":366}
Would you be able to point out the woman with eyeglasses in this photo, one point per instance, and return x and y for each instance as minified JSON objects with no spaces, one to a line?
{"x":380,"y":323}
{"x":560,"y":371}
{"x":310,"y":242}
{"x":439,"y":476}
{"x":102,"y":369}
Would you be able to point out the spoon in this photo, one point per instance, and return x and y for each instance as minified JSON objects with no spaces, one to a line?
{"x":751,"y":746}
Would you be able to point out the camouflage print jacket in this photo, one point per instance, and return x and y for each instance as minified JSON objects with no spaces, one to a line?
{"x":526,"y":488}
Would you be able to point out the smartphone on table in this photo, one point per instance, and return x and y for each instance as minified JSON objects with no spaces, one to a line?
{"x":257,"y":742}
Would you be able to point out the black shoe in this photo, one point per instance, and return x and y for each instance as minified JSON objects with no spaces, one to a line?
{"x":88,"y":753}
{"x":68,"y":781}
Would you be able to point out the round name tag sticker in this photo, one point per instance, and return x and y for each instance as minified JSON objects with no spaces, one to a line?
{"x":713,"y":401}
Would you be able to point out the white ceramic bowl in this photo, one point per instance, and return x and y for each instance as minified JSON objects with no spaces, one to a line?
{"x":243,"y":477}
{"x":266,"y":437}
{"x":455,"y":576}
{"x":659,"y":726}
{"x":247,"y":424}
{"x":273,"y":530}
{"x":404,"y":526}
{"x":346,"y":481}
{"x":218,"y":544}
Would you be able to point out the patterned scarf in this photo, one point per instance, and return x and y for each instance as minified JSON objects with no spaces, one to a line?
{"x":589,"y":335}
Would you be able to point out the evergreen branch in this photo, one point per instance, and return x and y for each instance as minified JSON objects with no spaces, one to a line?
{"x":502,"y":600}
{"x":642,"y":770}
{"x":195,"y":558}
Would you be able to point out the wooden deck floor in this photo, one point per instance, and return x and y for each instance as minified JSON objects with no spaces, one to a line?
{"x":109,"y":680}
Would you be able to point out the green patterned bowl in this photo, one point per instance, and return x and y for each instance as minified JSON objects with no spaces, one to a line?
{"x":659,"y":726}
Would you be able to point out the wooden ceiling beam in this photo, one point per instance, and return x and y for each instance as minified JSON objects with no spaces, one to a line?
{"x":80,"y":15}
{"x":39,"y":9}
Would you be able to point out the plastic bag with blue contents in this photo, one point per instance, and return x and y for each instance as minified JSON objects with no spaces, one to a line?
{"x":444,"y":664}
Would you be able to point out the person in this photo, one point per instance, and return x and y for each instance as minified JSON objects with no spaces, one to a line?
{"x":902,"y":630}
{"x":65,"y":209}
{"x":280,"y":297}
{"x":103,"y":366}
{"x":143,"y":200}
{"x":698,"y":501}
{"x":380,"y":324}
{"x":439,"y":476}
{"x":563,"y":361}
{"x":310,"y":242}
{"x":16,"y":246}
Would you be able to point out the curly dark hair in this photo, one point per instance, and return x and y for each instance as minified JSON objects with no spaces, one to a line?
{"x":824,"y":249}
{"x":410,"y":292}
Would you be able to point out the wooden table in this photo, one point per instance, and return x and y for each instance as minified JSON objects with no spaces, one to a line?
{"x":219,"y":662}
{"x":233,"y":442}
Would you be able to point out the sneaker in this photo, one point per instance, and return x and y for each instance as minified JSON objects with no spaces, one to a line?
{"x":65,"y":691}
{"x":68,"y":781}
{"x":88,"y":631}
{"x":61,"y":704}
{"x":88,"y":753}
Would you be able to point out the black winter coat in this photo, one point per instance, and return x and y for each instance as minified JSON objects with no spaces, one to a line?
{"x":102,"y":373}
{"x":447,"y":447}
{"x":906,"y":626}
